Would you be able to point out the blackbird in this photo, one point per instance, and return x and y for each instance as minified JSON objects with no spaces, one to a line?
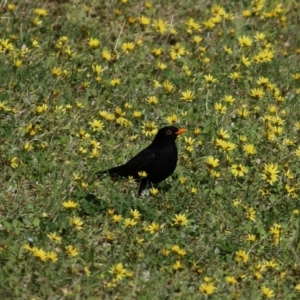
{"x":158,"y":160}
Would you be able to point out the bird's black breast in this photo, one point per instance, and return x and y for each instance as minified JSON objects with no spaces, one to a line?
{"x":163,"y":164}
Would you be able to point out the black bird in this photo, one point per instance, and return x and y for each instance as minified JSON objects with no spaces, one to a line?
{"x":158,"y":160}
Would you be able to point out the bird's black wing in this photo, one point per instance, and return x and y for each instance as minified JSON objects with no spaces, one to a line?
{"x":141,"y":162}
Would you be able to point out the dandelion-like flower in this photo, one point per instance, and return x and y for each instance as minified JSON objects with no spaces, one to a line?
{"x":118,"y":271}
{"x":188,"y":96}
{"x":70,"y":204}
{"x":249,"y":149}
{"x":96,"y":125}
{"x":270,"y":173}
{"x":94,"y":43}
{"x":71,"y":251}
{"x":207,"y":288}
{"x":238,"y":170}
{"x":244,"y":41}
{"x":212,"y":162}
{"x":149,"y":128}
{"x":54,"y":237}
{"x":39,"y":253}
{"x":180,"y":220}
{"x":241,"y":256}
{"x":76,"y":222}
{"x":128,"y":222}
{"x":267,"y":292}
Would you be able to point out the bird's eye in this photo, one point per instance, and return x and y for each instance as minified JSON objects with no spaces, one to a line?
{"x":168,"y":131}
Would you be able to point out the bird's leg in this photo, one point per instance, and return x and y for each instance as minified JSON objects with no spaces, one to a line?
{"x":142,"y":185}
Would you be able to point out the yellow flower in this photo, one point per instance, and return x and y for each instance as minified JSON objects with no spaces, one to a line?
{"x":54,"y":237}
{"x":165,"y":252}
{"x":127,"y":47}
{"x":196,"y":39}
{"x":153,"y":191}
{"x":144,"y":20}
{"x":212,"y":162}
{"x":168,"y":86}
{"x":193,"y":190}
{"x":142,"y":174}
{"x":39,"y":253}
{"x":135,"y":214}
{"x":259,"y":36}
{"x":70,"y":204}
{"x":11,"y":6}
{"x":178,"y":250}
{"x":56,"y":71}
{"x":180,"y":220}
{"x":86,"y":271}
{"x":17,"y":63}
{"x":28,"y":247}
{"x":245,"y":41}
{"x":207,"y":288}
{"x":297,"y":151}
{"x":118,"y":270}
{"x":227,"y":50}
{"x":238,"y":170}
{"x":209,"y":78}
{"x":177,"y":51}
{"x":94,"y":43}
{"x":76,"y":222}
{"x":223,"y":134}
{"x":246,"y":61}
{"x":243,"y":113}
{"x":178,"y":265}
{"x":231,"y":280}
{"x":40,"y":12}
{"x":153,"y":228}
{"x":229,"y":99}
{"x":257,"y":93}
{"x":13,"y":162}
{"x":188,"y":96}
{"x":97,"y":69}
{"x":137,"y":114}
{"x":251,"y":238}
{"x":241,"y":256}
{"x":129,"y":222}
{"x":160,"y":26}
{"x":152,"y":100}
{"x":71,"y":251}
{"x":220,"y":108}
{"x":250,"y":214}
{"x":192,"y":25}
{"x":117,"y":218}
{"x":249,"y":149}
{"x":266,"y":292}
{"x":52,"y":256}
{"x":106,"y":54}
{"x":247,"y":13}
{"x":96,"y":125}
{"x":149,"y":128}
{"x":157,"y":51}
{"x":270,"y":173}
{"x":235,"y":76}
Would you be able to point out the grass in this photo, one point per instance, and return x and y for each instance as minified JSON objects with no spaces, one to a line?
{"x":85,"y":86}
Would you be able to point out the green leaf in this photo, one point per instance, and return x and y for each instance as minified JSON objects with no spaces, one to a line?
{"x":36,"y":222}
{"x":219,"y":190}
{"x":6,"y":224}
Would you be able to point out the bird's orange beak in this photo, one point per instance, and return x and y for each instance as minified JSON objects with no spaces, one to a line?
{"x":180,"y":131}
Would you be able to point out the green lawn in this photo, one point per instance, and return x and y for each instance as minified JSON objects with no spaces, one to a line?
{"x":85,"y":86}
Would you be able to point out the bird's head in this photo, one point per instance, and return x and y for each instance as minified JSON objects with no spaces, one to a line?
{"x":168,"y":133}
